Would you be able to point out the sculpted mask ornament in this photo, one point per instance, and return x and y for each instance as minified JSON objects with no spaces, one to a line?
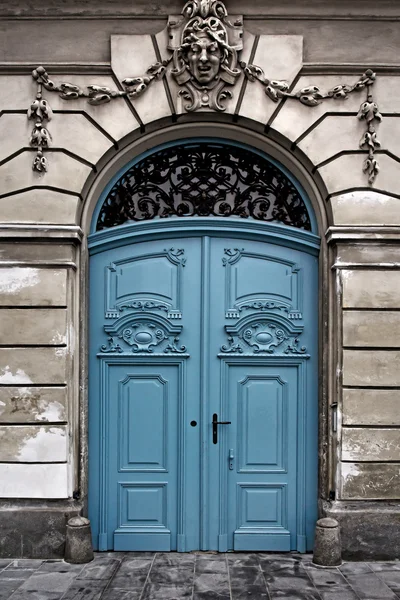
{"x":205,"y":58}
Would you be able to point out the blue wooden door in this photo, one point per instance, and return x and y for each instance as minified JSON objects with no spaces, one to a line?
{"x":203,"y":395}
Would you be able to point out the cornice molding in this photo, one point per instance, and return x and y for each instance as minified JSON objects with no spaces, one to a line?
{"x":70,"y":233}
{"x":339,"y":234}
{"x":286,"y":18}
{"x":59,"y":68}
{"x":104,"y":68}
{"x":339,"y":10}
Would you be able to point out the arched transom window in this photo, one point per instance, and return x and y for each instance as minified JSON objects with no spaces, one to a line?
{"x":204,"y":179}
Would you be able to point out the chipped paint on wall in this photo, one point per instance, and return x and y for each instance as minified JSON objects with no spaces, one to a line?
{"x":33,"y":481}
{"x":58,"y":339}
{"x":370,"y":444}
{"x":33,"y":443}
{"x":25,"y":404}
{"x":19,"y":377}
{"x":14,"y":279}
{"x":46,"y":444}
{"x":51,"y":412}
{"x":363,"y":197}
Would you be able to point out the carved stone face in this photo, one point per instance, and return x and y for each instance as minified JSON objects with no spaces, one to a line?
{"x":204,"y":58}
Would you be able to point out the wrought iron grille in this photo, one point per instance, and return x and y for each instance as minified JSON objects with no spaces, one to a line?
{"x":204,"y":179}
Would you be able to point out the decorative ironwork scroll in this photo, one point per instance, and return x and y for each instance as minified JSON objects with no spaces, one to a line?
{"x":204,"y":179}
{"x":204,"y":60}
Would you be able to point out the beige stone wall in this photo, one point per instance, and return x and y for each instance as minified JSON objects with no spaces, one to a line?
{"x":40,"y":215}
{"x":369,"y":400}
{"x":38,"y":378}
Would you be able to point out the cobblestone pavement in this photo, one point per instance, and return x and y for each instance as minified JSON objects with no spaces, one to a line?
{"x":197,"y":576}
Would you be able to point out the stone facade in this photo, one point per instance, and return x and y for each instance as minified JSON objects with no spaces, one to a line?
{"x":45,"y":216}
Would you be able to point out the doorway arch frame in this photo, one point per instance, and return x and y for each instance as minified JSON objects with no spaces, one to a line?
{"x":94,"y":189}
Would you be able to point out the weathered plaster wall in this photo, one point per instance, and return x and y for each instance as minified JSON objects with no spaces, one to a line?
{"x":37,"y":389}
{"x":41,"y":272}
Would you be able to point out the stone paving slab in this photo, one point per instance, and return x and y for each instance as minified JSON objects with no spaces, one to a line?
{"x":197,"y":576}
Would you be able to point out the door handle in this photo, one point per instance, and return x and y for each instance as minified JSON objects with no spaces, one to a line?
{"x":231,"y":458}
{"x":215,"y":424}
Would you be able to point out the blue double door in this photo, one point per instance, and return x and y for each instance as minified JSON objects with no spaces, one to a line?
{"x":203,"y":396}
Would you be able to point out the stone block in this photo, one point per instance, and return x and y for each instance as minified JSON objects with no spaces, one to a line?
{"x":338,"y":133}
{"x":39,"y":206}
{"x":26,"y":366}
{"x":371,"y":407}
{"x":125,"y":50}
{"x":371,"y":368}
{"x":17,"y":92}
{"x":281,"y":57}
{"x":294,"y":118}
{"x":370,"y":481}
{"x":346,"y":172}
{"x":65,"y":173}
{"x":28,"y":286}
{"x":334,"y":134}
{"x":371,"y":288}
{"x":386,"y":92}
{"x":33,"y":443}
{"x":80,"y":136}
{"x":18,"y":480}
{"x":389,"y":132}
{"x":33,"y":326}
{"x":32,"y":252}
{"x":371,"y":329}
{"x":15,"y":131}
{"x":370,"y":530}
{"x":365,"y":207}
{"x":115,"y":118}
{"x":32,"y":404}
{"x":380,"y":254}
{"x":370,"y":445}
{"x":36,"y":529}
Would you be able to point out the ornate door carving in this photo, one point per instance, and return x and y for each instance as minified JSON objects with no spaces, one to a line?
{"x":203,"y":371}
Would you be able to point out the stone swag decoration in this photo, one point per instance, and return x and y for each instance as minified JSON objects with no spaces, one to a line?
{"x":204,"y":62}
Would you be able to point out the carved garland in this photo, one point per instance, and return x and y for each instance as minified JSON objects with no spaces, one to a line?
{"x":204,"y":48}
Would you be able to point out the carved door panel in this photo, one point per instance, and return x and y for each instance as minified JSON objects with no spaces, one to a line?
{"x":263,"y":383}
{"x":203,"y":393}
{"x":145,"y":323}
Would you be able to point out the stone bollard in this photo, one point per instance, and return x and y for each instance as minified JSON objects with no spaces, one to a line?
{"x":327,"y":545}
{"x":78,"y":543}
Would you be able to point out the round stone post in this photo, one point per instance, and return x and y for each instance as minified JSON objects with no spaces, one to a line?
{"x":78,"y":543}
{"x":327,"y":545}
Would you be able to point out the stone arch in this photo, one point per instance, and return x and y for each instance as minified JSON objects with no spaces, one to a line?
{"x":296,"y":163}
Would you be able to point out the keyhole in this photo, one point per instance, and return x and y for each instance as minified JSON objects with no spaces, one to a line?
{"x":193,"y":423}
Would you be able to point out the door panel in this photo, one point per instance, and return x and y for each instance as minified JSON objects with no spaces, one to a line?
{"x":144,"y":411}
{"x":145,"y":382}
{"x":262,"y":342}
{"x":261,"y":406}
{"x":263,"y":440}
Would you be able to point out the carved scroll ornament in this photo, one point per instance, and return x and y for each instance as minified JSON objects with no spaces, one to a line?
{"x":204,"y":48}
{"x":142,"y":335}
{"x":263,"y":337}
